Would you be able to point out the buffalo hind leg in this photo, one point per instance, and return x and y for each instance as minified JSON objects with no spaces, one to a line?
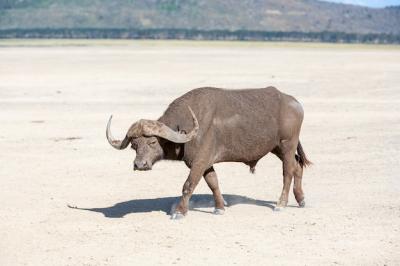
{"x":196,"y":172}
{"x":212,"y":181}
{"x":297,"y":188}
{"x":287,"y":153}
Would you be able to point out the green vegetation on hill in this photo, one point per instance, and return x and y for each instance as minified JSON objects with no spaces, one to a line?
{"x":186,"y":34}
{"x":201,"y":19}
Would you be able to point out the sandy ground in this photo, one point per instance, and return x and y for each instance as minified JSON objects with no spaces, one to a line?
{"x":55,"y":99}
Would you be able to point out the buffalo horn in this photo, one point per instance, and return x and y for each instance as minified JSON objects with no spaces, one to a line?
{"x":118,"y":144}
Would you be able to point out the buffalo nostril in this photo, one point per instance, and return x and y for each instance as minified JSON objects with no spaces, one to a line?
{"x":140,"y":165}
{"x":136,"y":166}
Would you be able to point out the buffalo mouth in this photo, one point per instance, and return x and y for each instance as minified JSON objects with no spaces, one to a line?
{"x":141,"y":168}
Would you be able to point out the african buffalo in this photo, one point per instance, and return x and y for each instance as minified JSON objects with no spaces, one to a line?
{"x":211,"y":125}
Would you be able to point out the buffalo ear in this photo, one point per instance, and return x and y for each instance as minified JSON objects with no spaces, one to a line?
{"x":177,"y":150}
{"x":181,"y":131}
{"x":178,"y":147}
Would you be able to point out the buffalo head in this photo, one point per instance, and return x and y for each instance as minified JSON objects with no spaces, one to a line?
{"x":144,"y":137}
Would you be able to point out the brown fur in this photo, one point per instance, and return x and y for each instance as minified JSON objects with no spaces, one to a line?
{"x":234,"y":126}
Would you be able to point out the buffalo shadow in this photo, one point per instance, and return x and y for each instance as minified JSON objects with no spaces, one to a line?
{"x":168,"y":204}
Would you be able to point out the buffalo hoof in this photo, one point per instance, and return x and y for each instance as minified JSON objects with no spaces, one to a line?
{"x":177,"y":216}
{"x":279,"y":208}
{"x":218,"y":211}
{"x":302,"y":204}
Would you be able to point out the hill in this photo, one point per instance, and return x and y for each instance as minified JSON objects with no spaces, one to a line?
{"x":264,"y":15}
{"x":199,"y":15}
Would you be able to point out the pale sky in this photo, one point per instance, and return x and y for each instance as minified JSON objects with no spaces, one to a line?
{"x":370,"y":3}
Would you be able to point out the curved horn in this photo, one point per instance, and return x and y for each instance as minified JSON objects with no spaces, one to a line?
{"x":155,"y":128}
{"x":118,"y":144}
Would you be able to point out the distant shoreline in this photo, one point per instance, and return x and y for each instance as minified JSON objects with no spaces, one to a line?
{"x":192,"y":34}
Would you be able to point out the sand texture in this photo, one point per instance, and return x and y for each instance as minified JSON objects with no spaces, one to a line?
{"x":55,"y":100}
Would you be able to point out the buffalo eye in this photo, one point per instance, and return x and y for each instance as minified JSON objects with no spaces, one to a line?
{"x":152,"y":143}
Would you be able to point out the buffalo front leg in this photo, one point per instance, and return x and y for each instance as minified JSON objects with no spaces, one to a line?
{"x":212,"y":181}
{"x":191,"y":182}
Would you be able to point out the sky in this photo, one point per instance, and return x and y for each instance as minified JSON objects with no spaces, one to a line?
{"x":370,"y":3}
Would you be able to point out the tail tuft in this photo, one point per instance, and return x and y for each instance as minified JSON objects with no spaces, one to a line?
{"x":301,"y":157}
